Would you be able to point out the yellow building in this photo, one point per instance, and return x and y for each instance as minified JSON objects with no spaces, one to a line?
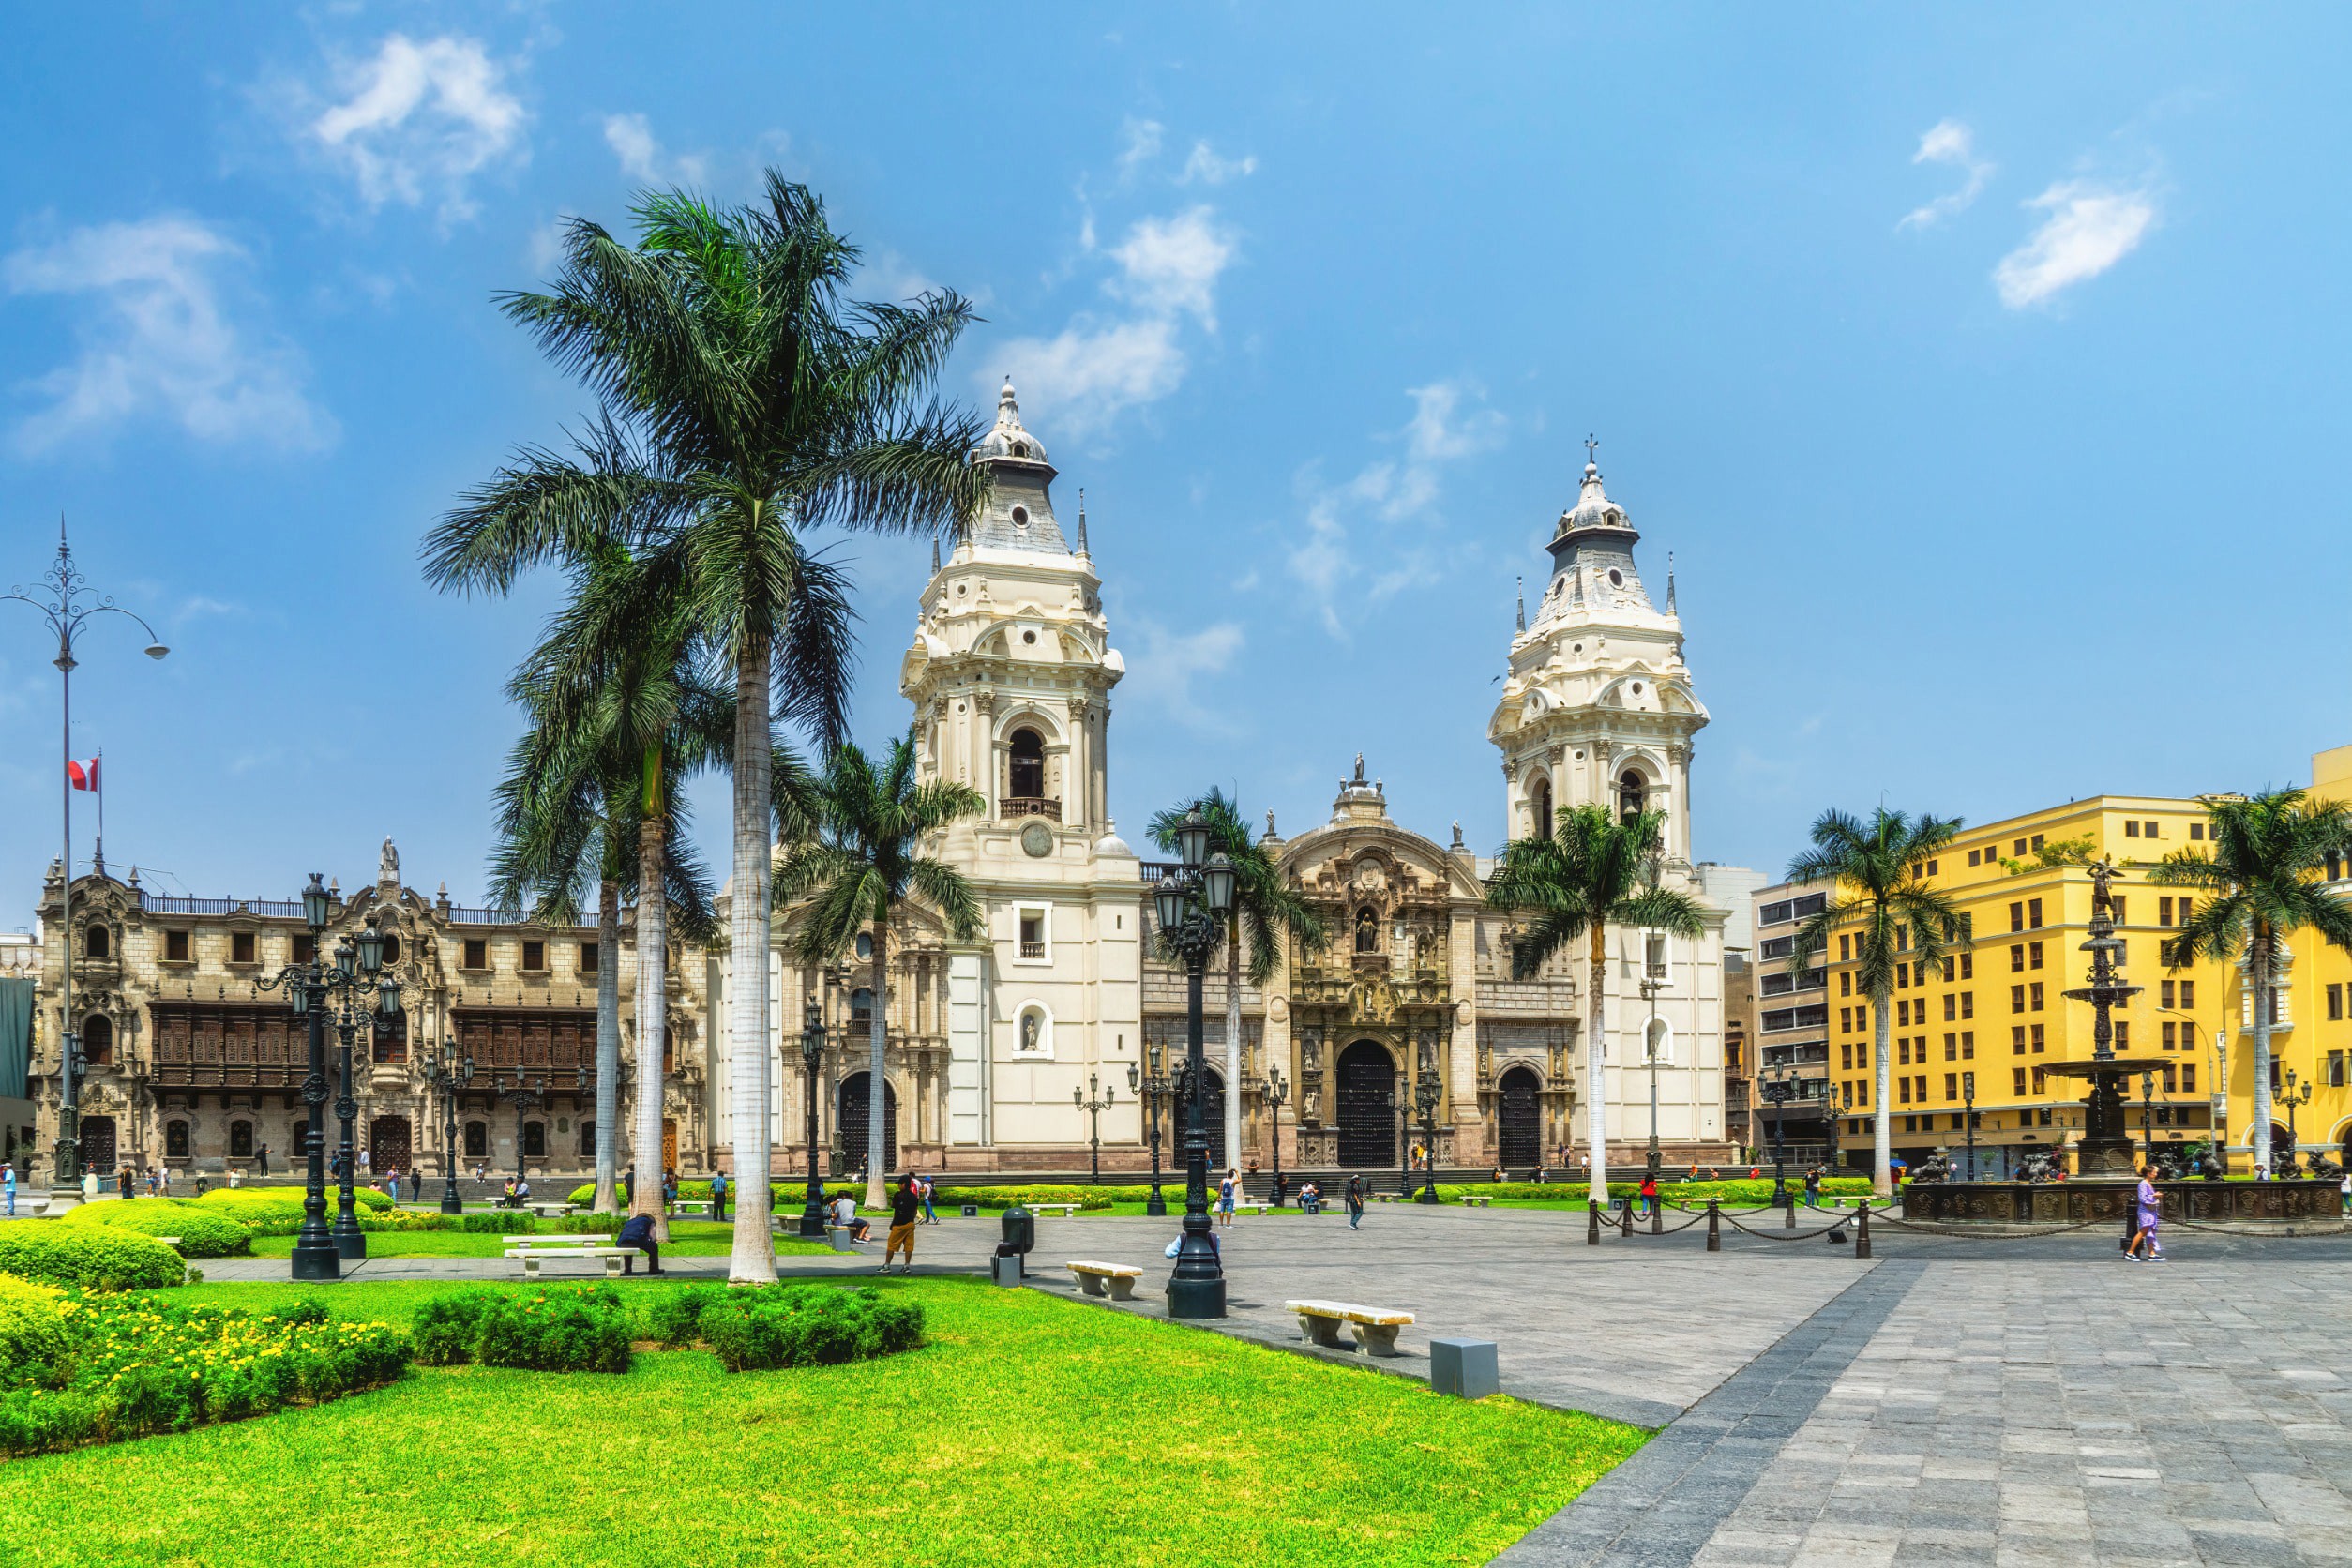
{"x":1996,"y":1006}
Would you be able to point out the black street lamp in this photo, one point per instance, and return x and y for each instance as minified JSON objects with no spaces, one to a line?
{"x":1155,"y":1088}
{"x":2148,"y":1116}
{"x":1652,"y":982}
{"x":2292,"y":1098}
{"x":812,"y":1051}
{"x":67,"y":604}
{"x":1192,"y":905}
{"x":1404,"y":1135}
{"x":1968,"y":1101}
{"x":316,"y":990}
{"x":530,"y":1095}
{"x":1778,"y":1090}
{"x":1095,"y":1106}
{"x":1275,"y":1092}
{"x":447,"y":1075}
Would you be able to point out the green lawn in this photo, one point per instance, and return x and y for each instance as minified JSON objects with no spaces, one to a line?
{"x":687,"y":1239}
{"x":1031,"y":1429}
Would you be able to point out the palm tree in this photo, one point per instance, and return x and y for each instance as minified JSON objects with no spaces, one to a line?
{"x":1876,"y":873}
{"x":1596,"y":870}
{"x":1266,"y":908}
{"x":622,"y":709}
{"x":860,"y":858}
{"x":745,"y":403}
{"x":2263,"y":870}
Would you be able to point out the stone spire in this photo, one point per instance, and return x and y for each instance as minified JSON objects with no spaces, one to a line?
{"x":1669,"y":583}
{"x":935,"y":555}
{"x":1082,"y":542}
{"x":1522,"y":590}
{"x":1019,"y":511}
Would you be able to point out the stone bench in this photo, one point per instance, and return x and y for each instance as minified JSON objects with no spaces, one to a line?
{"x":1116,"y":1280}
{"x":1374,"y":1327}
{"x":1475,"y":1200}
{"x":524,"y":1242}
{"x":616,"y":1259}
{"x":169,"y":1241}
{"x":1066,"y":1210}
{"x":1259,"y":1209}
{"x":551,"y":1210}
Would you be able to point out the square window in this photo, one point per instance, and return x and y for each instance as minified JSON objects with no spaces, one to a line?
{"x":2018,"y":850}
{"x":306,"y":946}
{"x":534,"y":957}
{"x":2037,"y":842}
{"x":476,"y":953}
{"x":589,"y":957}
{"x":175,"y":947}
{"x":2197,"y":830}
{"x":240,"y":947}
{"x":2131,"y":829}
{"x":2147,"y":830}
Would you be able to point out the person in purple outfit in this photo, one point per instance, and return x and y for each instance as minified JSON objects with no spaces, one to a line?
{"x":2147,"y":1211}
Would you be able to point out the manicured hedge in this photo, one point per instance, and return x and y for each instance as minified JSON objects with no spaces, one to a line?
{"x":32,"y":1329}
{"x":124,"y":1366}
{"x":93,"y":1256}
{"x":278,"y":1211}
{"x":773,"y":1326}
{"x":583,"y":1328}
{"x":1737,"y":1192}
{"x":202,"y":1233}
{"x":1004,"y":1197}
{"x":698,"y":1191}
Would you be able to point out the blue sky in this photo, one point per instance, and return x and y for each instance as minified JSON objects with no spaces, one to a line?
{"x":1984,"y":370}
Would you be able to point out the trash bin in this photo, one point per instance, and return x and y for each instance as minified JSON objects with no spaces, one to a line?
{"x":1018,"y":1234}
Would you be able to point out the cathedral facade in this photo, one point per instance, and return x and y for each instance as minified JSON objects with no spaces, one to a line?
{"x":1036,"y":1044}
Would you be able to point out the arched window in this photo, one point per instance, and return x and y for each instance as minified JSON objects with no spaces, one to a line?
{"x":175,"y":1140}
{"x":391,"y":948}
{"x":1029,"y":766}
{"x":1542,"y":800}
{"x":94,"y":942}
{"x":97,"y":1040}
{"x":861,"y":1011}
{"x":1367,"y":930}
{"x":1633,"y":795}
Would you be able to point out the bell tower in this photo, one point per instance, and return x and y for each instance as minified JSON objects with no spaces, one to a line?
{"x":1010,"y":672}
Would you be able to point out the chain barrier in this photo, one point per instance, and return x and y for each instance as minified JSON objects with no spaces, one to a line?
{"x":1979,"y":1236}
{"x":1797,"y":1235}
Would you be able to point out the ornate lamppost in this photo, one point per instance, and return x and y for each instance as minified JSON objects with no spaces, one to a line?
{"x":1426,"y":1092}
{"x":1275,"y":1092}
{"x":1967,"y":1102}
{"x":1404,"y":1135}
{"x":1652,"y":982}
{"x":1094,"y":1105}
{"x":812,"y":1051}
{"x":447,"y":1075}
{"x":312,"y":987}
{"x":65,"y":602}
{"x":1777,"y":1091}
{"x":2292,"y":1098}
{"x":358,"y":969}
{"x":1154,"y":1085}
{"x":1192,"y":905}
{"x":530,"y":1095}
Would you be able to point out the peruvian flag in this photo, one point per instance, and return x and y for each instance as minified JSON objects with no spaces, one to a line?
{"x":83,"y":775}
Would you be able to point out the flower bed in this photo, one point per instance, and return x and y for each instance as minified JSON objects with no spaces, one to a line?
{"x":93,"y":1256}
{"x":101,"y":1368}
{"x":581,"y":1328}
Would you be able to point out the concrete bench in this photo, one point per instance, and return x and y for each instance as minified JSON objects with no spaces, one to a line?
{"x":616,"y":1259}
{"x":169,"y":1241}
{"x":1117,"y":1280}
{"x":1374,"y":1327}
{"x":1473,"y":1201}
{"x":1066,"y":1210}
{"x":522,"y":1242}
{"x":551,"y":1210}
{"x":1259,"y":1209}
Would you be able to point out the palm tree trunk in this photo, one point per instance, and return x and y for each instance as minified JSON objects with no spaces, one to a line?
{"x":877,"y":1086}
{"x":753,"y":1260}
{"x":1233,"y":1042}
{"x":1882,"y":1125}
{"x":653,"y":1022}
{"x":1596,"y":1123}
{"x":607,"y":1044}
{"x":2258,"y":1136}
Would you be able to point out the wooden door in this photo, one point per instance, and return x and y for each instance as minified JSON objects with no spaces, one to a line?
{"x":669,"y":1143}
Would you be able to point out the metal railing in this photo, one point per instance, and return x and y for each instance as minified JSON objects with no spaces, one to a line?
{"x":274,"y":909}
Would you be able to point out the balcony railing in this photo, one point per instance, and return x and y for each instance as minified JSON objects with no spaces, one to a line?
{"x":1014,"y":806}
{"x":1033,"y":949}
{"x":156,"y":903}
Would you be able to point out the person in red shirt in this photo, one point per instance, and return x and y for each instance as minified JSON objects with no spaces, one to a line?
{"x":1649,"y":1193}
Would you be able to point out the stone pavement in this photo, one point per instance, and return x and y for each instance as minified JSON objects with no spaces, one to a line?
{"x":2030,"y":1400}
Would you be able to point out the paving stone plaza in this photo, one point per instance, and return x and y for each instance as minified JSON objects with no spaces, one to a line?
{"x":2028,"y":1401}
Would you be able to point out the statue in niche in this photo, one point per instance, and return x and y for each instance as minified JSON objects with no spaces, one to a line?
{"x":1028,"y":1031}
{"x":388,"y":864}
{"x":1367,"y":931}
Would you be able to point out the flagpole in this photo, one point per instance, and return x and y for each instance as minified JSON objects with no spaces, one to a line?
{"x":97,"y":787}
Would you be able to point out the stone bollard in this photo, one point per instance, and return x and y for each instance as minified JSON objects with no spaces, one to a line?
{"x":1467,"y":1368}
{"x":1862,"y":1234}
{"x":1626,"y":1218}
{"x":1591,"y":1223}
{"x":1657,"y":1217}
{"x":1714,"y":1236}
{"x":1789,"y":1205}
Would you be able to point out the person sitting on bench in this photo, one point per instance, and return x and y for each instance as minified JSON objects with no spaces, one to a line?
{"x":845,"y":1215}
{"x":638,"y":1232}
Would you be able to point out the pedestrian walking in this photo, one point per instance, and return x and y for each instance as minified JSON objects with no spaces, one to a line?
{"x":89,"y":1183}
{"x":2345,"y":1187}
{"x":2147,"y":1211}
{"x":669,"y":1193}
{"x":905,"y":1203}
{"x":415,"y":1186}
{"x":260,"y":1160}
{"x":8,"y":1188}
{"x":365,"y":1174}
{"x":1355,"y":1202}
{"x":930,"y":1216}
{"x":124,"y":1182}
{"x":718,"y":1194}
{"x":1226,"y":1194}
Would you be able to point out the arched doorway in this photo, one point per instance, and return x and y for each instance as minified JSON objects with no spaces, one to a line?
{"x":1519,"y":1121}
{"x":854,"y":1104}
{"x":1026,"y":765}
{"x":1633,"y":795}
{"x":1367,"y":1106}
{"x":388,"y":1145}
{"x":98,"y":1142}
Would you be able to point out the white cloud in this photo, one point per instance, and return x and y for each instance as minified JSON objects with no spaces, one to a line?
{"x":1205,"y":166}
{"x":160,"y":339}
{"x":1448,"y":422}
{"x":1948,"y":141}
{"x":1143,"y":146}
{"x":2090,"y":228}
{"x":1168,"y":663}
{"x":890,"y":278}
{"x":419,"y":119}
{"x":1087,"y":374}
{"x":631,"y":138}
{"x":1173,"y":263}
